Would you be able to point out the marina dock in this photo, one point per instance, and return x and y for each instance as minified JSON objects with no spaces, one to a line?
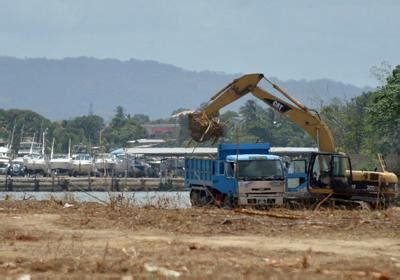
{"x":67,"y":183}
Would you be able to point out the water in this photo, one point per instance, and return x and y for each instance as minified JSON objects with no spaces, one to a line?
{"x":158,"y":199}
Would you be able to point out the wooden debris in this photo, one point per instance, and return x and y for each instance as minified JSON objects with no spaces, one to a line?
{"x":356,"y":273}
{"x":269,"y":214}
{"x":162,"y":270}
{"x":322,"y":201}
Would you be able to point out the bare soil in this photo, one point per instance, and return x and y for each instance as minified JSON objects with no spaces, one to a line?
{"x":91,"y":240}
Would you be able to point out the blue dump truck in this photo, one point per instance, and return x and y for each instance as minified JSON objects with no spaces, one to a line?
{"x":242,"y":174}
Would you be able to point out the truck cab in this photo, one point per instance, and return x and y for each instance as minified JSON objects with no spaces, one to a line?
{"x":259,"y":178}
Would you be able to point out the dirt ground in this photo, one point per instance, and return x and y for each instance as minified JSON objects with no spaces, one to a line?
{"x":44,"y":240}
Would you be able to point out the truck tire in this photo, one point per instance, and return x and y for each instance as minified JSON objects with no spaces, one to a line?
{"x":199,"y":198}
{"x":227,"y":202}
{"x":195,"y":197}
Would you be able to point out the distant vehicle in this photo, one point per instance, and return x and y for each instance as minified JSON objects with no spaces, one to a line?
{"x":4,"y":167}
{"x":17,"y":169}
{"x":130,"y":166}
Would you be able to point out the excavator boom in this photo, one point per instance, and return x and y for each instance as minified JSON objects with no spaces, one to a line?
{"x":310,"y":122}
{"x":204,"y":124}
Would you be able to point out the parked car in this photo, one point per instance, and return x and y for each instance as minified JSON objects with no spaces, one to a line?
{"x":17,"y":169}
{"x":4,"y":167}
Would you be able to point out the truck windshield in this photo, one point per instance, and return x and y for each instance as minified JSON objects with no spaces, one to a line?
{"x":260,"y":169}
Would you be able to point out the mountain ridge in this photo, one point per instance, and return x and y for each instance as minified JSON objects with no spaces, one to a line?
{"x":69,"y":87}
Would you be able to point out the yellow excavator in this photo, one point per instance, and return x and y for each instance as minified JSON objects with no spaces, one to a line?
{"x":329,"y":172}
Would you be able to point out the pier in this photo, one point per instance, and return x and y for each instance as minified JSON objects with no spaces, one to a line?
{"x":67,"y":183}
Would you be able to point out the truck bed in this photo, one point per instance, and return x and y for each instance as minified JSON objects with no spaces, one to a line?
{"x":199,"y":172}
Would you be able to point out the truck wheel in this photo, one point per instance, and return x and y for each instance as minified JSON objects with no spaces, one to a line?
{"x":227,"y":202}
{"x":205,"y":198}
{"x":195,"y":197}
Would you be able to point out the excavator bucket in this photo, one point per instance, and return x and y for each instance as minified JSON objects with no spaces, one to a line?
{"x":202,"y":128}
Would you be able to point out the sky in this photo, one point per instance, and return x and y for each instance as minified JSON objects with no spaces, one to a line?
{"x":288,"y":39}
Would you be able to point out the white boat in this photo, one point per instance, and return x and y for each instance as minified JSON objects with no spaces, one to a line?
{"x":5,"y":157}
{"x":61,"y":163}
{"x":36,"y":162}
{"x":82,"y":164}
{"x":27,"y":147}
{"x":105,"y":163}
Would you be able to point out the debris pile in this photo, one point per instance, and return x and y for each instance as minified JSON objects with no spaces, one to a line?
{"x":203,"y":128}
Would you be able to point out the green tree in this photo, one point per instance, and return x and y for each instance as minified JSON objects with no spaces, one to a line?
{"x":122,"y":129}
{"x":27,"y":124}
{"x":369,"y":123}
{"x":266,"y":125}
{"x":88,"y":127}
{"x":141,"y":118}
{"x":384,"y":117}
{"x":119,"y":118}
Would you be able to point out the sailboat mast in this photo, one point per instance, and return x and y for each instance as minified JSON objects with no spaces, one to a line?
{"x":33,"y":141}
{"x":52,"y":149}
{"x":69,"y":148}
{"x":9,"y":145}
{"x":43,"y":142}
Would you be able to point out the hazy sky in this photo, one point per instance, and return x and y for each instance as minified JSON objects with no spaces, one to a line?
{"x":288,"y":39}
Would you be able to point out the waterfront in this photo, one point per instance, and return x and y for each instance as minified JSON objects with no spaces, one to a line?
{"x":88,"y":183}
{"x":172,"y":199}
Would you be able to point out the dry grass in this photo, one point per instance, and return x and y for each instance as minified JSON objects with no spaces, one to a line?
{"x":13,"y":234}
{"x":98,"y":241}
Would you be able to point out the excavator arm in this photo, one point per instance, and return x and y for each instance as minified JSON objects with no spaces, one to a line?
{"x":204,"y":124}
{"x":307,"y":120}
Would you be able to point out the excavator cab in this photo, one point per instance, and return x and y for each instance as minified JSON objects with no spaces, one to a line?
{"x":330,"y":173}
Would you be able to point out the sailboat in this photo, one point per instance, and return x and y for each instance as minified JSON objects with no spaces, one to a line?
{"x":5,"y":157}
{"x":61,"y":163}
{"x":82,"y":162}
{"x":27,"y":147}
{"x":36,"y":162}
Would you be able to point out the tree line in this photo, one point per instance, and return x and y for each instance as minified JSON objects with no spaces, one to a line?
{"x":369,"y":123}
{"x":90,"y":130}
